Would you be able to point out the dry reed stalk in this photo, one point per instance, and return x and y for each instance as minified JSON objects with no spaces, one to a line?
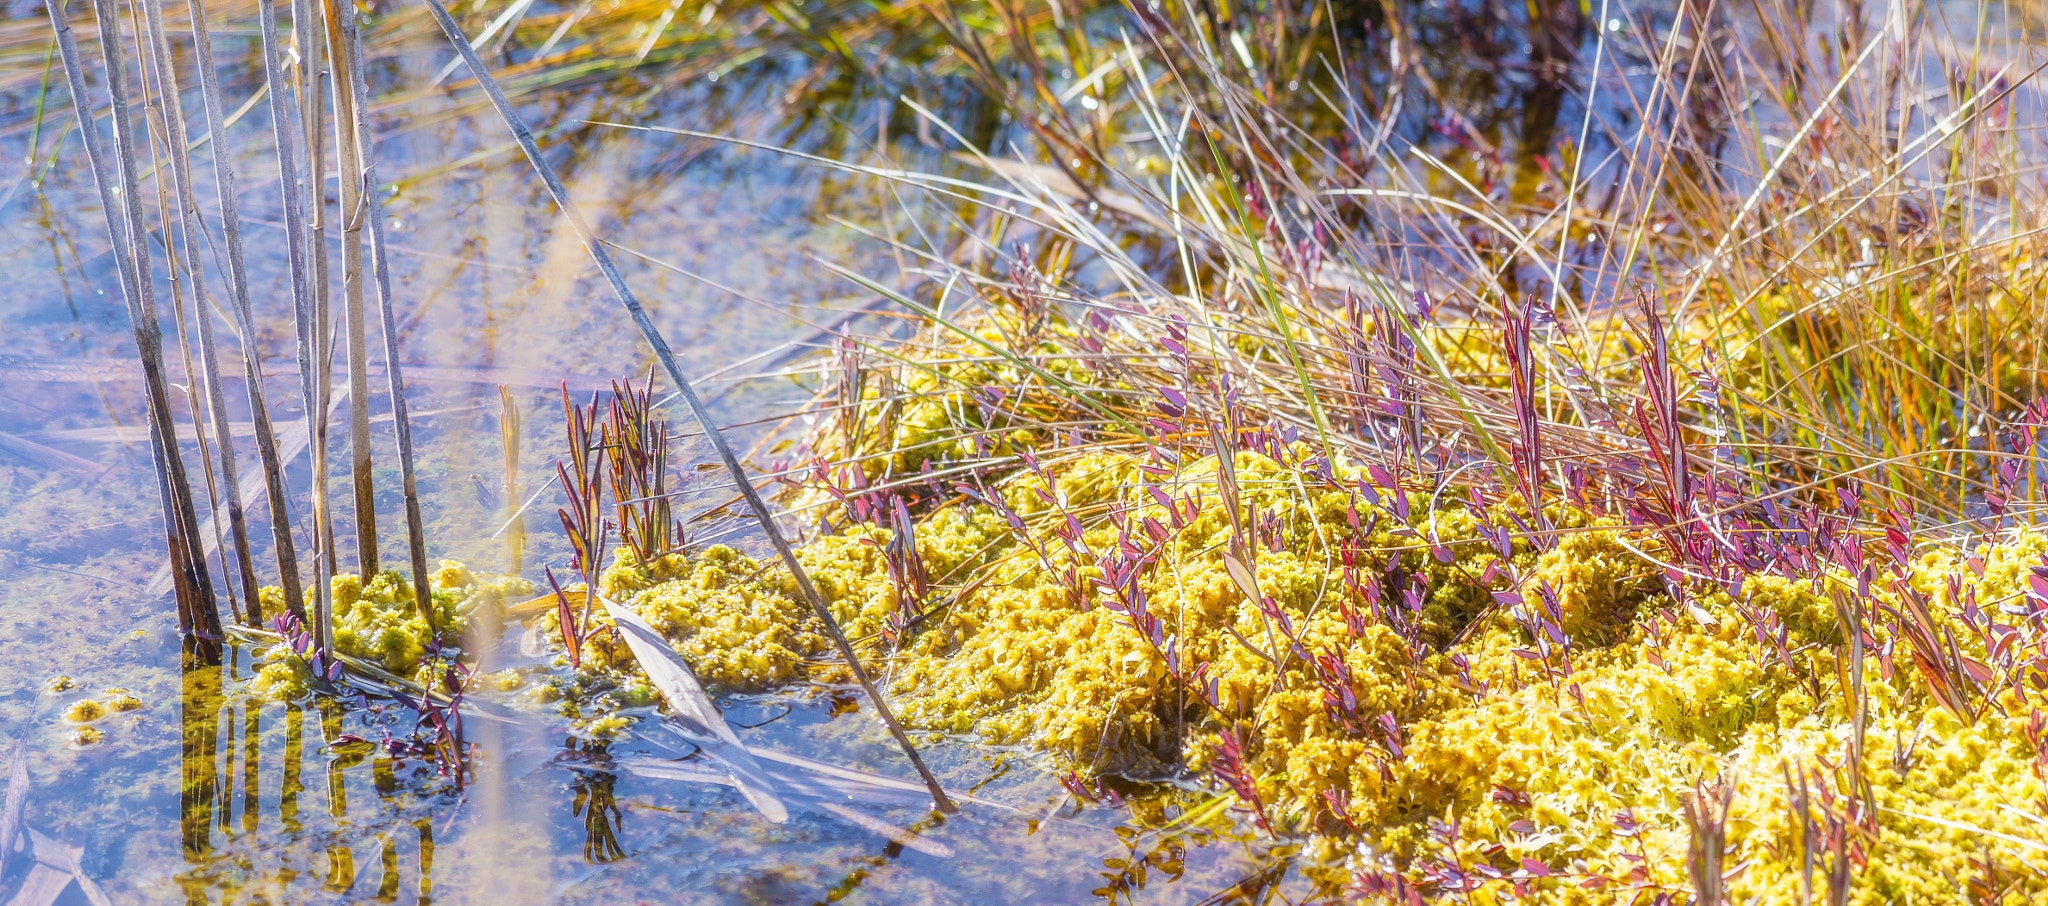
{"x":316,"y":324}
{"x":198,"y":614}
{"x":302,"y":300}
{"x":394,"y":373}
{"x":148,"y":80}
{"x":758,"y":507}
{"x":508,"y":437}
{"x":245,"y":321}
{"x":338,"y":22}
{"x":170,"y":97}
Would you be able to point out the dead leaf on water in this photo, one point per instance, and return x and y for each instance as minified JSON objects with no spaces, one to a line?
{"x":546,"y":604}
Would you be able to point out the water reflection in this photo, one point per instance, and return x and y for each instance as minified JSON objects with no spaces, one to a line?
{"x":284,"y":801}
{"x":599,"y":810}
{"x":243,"y":776}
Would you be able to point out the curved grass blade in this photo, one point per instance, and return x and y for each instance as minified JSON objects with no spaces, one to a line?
{"x":695,"y":716}
{"x":631,"y":302}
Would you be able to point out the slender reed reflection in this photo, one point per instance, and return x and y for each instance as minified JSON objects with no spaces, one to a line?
{"x":229,"y":754}
{"x":199,"y":727}
{"x":252,"y":812}
{"x":426,"y":830}
{"x":544,"y":820}
{"x":341,"y":860}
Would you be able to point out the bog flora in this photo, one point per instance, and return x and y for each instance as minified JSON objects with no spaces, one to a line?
{"x":1493,"y":552}
{"x":1649,"y":518}
{"x":1560,"y":695}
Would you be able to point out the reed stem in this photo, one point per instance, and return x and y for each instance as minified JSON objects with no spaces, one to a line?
{"x":245,"y":320}
{"x":339,"y":19}
{"x":302,"y":301}
{"x":759,"y":507}
{"x":171,"y":103}
{"x":510,"y":489}
{"x":190,"y":390}
{"x":311,"y":81}
{"x":198,"y":617}
{"x":394,"y":373}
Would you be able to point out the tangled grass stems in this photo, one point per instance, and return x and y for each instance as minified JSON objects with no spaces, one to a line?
{"x":1429,"y":548}
{"x":654,"y":339}
{"x":1398,"y":491}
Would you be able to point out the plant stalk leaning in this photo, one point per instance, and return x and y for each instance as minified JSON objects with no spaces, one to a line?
{"x":654,"y":338}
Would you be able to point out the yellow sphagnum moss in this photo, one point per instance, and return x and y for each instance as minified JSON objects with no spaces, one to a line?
{"x":379,"y":623}
{"x":1584,"y":773}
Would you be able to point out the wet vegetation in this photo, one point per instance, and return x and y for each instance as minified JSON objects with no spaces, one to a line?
{"x":1400,"y":452}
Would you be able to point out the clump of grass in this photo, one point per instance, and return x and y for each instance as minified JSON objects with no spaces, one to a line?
{"x":326,"y":90}
{"x":1468,"y":521}
{"x":1519,"y":537}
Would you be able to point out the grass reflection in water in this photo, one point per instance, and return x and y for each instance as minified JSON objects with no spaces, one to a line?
{"x":251,"y":830}
{"x":298,"y":800}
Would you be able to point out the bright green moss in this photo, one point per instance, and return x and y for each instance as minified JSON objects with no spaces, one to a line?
{"x":283,"y":674}
{"x":962,"y":400}
{"x":731,"y":620}
{"x":603,"y":727}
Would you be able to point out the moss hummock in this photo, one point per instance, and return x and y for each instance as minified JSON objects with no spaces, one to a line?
{"x":378,"y":622}
{"x":1439,"y":701}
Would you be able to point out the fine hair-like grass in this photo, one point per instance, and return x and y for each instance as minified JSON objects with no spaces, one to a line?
{"x":1778,"y":338}
{"x":1766,"y":336}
